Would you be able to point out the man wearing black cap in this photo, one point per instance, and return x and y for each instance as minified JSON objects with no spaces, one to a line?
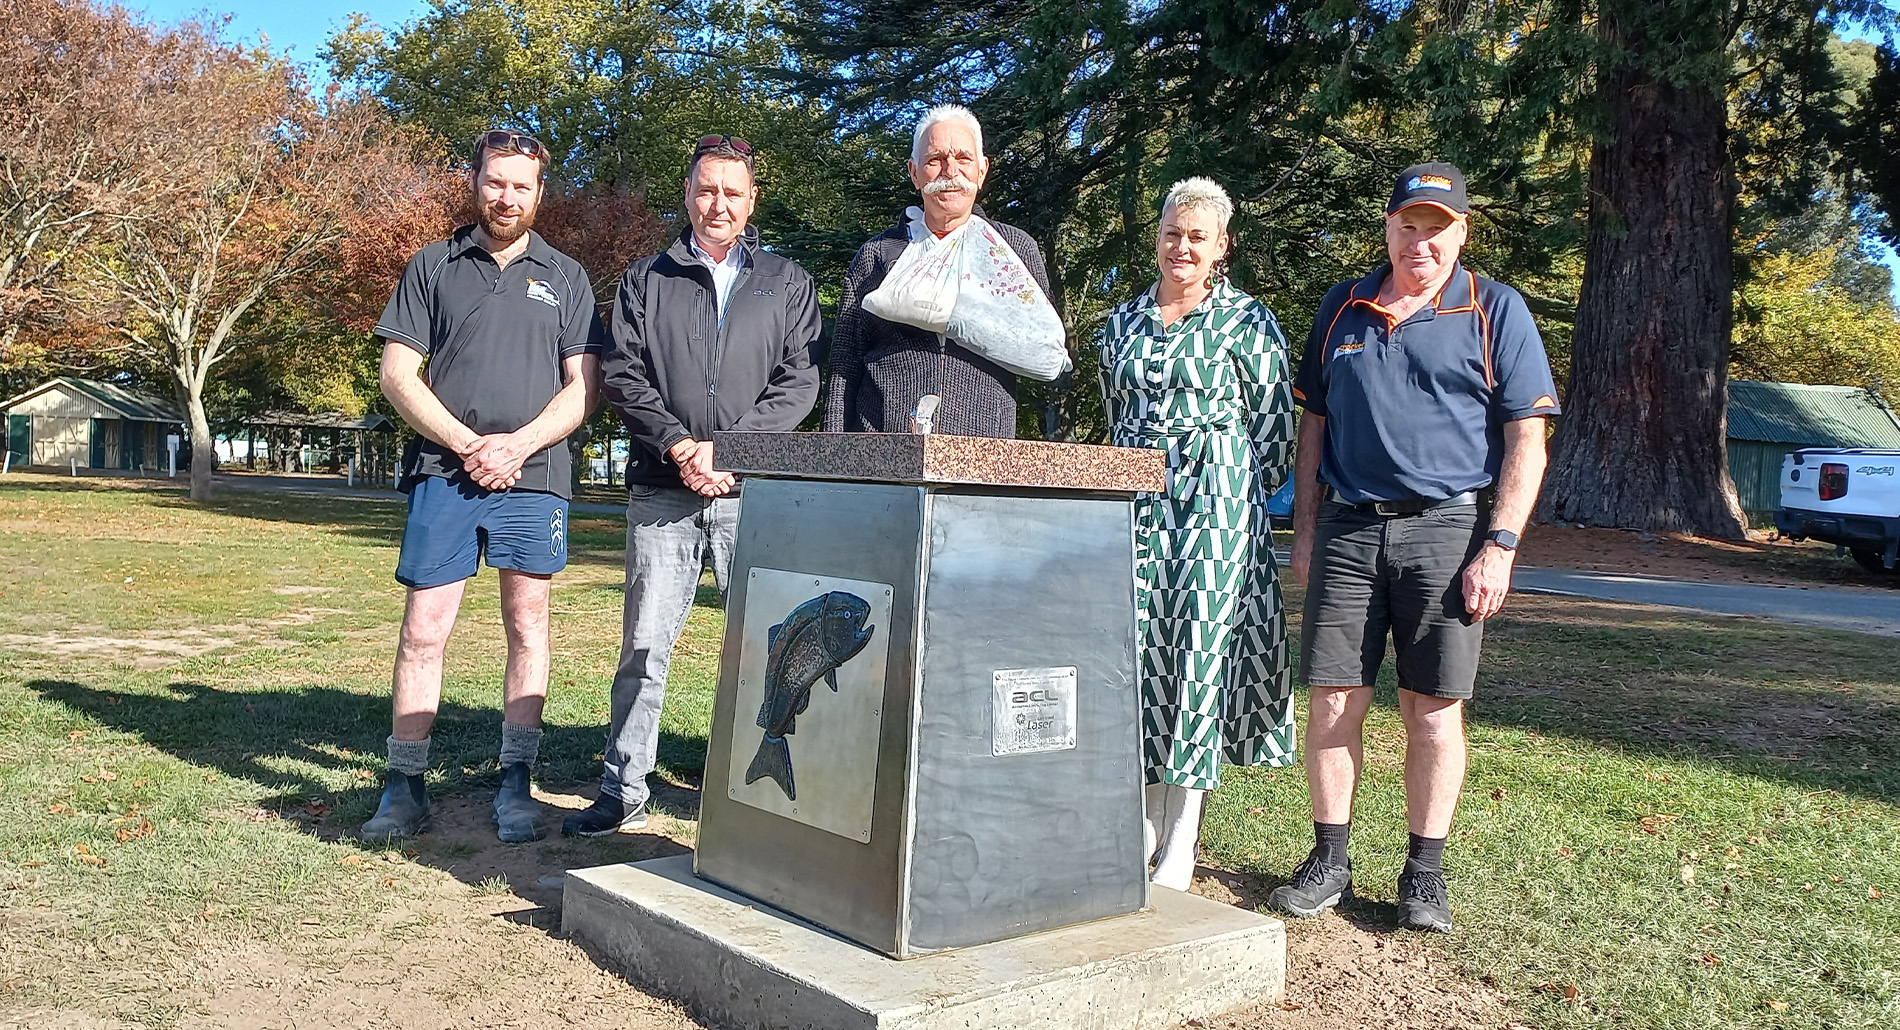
{"x":1425,"y":389}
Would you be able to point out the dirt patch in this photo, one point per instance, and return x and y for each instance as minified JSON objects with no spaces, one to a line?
{"x":1344,"y":974}
{"x":295,"y":590}
{"x":1758,"y":559}
{"x":147,"y":649}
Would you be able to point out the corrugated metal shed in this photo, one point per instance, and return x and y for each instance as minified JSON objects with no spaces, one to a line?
{"x":1767,"y":421}
{"x":1809,"y":416}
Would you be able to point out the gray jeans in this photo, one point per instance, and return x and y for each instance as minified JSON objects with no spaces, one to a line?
{"x":671,"y":534}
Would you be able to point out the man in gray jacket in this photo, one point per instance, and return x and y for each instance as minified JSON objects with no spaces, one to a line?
{"x":714,"y":333}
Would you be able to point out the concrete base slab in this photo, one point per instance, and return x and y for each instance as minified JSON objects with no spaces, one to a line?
{"x":742,"y":966}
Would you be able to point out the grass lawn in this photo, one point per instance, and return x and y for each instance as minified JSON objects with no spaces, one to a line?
{"x":1671,"y":822}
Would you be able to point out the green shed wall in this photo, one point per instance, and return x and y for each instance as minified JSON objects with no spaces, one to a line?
{"x":1756,"y":468}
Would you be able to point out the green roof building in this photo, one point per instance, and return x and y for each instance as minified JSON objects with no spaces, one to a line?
{"x":1768,"y":421}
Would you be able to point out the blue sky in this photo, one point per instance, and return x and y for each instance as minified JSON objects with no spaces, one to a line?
{"x":301,"y":27}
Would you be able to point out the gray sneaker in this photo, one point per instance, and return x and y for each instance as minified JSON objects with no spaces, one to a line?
{"x":608,"y":814}
{"x":1316,"y":886}
{"x":1424,"y":903}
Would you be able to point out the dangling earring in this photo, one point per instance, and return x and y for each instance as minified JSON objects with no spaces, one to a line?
{"x":1216,"y":273}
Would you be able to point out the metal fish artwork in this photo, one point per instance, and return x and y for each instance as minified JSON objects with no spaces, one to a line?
{"x":817,"y":637}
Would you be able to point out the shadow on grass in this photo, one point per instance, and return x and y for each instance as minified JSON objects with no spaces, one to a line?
{"x":271,"y":737}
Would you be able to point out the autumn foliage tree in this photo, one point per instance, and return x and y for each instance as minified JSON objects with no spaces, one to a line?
{"x":81,"y":90}
{"x":259,"y":184}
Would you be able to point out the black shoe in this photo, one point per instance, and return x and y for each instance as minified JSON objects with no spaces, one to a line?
{"x":403,"y":812}
{"x":517,"y":814}
{"x":1316,"y":886}
{"x":606,"y":815}
{"x":1424,"y":903}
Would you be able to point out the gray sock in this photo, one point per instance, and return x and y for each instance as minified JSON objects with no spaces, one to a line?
{"x":519,"y":743}
{"x":409,"y":757}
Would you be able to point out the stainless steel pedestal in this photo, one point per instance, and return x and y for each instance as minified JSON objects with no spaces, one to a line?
{"x":974,"y":773}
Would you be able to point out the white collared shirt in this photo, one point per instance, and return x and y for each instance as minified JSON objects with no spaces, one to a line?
{"x":724,"y":273}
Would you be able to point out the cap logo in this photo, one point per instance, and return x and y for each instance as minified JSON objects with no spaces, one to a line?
{"x":1429,"y":182}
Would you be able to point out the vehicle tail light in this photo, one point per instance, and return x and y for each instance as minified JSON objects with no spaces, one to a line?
{"x":1833,"y":482}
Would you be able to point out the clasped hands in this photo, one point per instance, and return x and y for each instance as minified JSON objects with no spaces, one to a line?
{"x":494,"y":461}
{"x":695,"y":461}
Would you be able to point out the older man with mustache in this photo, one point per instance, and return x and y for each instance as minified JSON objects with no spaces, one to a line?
{"x":879,"y":369}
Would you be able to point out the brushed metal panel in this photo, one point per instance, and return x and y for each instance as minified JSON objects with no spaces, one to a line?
{"x":833,"y":745}
{"x":867,"y":532}
{"x":1010,"y":844}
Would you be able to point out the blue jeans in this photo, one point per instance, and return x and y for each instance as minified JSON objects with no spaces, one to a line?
{"x":671,"y":534}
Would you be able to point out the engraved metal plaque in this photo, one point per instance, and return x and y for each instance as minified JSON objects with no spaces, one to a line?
{"x":1034,"y":710}
{"x":808,"y":752}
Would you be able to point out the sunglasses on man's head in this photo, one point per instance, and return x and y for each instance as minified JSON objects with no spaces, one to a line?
{"x":509,"y":142}
{"x":715,"y":141}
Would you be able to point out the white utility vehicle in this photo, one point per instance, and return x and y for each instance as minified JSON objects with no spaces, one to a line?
{"x":1849,"y":498}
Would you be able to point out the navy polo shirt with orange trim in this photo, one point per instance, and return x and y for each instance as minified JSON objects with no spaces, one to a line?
{"x":1415,"y":410}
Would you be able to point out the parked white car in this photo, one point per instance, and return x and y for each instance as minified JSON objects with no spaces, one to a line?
{"x":1849,"y":498}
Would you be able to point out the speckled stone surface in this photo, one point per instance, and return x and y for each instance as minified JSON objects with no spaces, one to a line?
{"x":936,"y":458}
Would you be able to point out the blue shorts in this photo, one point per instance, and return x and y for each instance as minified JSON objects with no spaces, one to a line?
{"x":453,"y":523}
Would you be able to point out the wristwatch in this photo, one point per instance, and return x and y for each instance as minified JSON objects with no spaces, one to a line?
{"x":1503,"y":538}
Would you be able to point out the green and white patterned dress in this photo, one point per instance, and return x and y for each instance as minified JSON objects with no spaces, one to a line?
{"x":1213,"y":391}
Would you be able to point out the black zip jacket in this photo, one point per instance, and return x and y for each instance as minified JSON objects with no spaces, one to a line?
{"x":675,"y":370}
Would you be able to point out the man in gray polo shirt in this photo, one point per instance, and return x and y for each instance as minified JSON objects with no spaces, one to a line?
{"x":1425,"y":389}
{"x":713,"y":333}
{"x":512,"y":342}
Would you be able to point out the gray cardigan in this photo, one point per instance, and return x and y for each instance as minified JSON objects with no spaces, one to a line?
{"x":879,"y":369}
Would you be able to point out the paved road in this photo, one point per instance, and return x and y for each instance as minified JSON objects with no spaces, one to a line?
{"x":1860,"y":609}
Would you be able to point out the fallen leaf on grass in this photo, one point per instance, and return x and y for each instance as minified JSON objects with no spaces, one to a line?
{"x":89,"y":779}
{"x":1874,"y":894}
{"x":138,"y":783}
{"x":351,"y":859}
{"x":1653,"y":824}
{"x":75,"y":734}
{"x":108,"y":775}
{"x":1688,"y":874}
{"x":363,"y":774}
{"x":1710,"y":958}
{"x":389,"y":881}
{"x":57,"y":809}
{"x":1515,"y":1025}
{"x":1257,"y":810}
{"x":31,"y":865}
{"x":1777,"y":1004}
{"x":1499,"y":794}
{"x":312,"y":921}
{"x":85,"y":855}
{"x":1563,"y":852}
{"x":316,"y":809}
{"x":143,"y":829}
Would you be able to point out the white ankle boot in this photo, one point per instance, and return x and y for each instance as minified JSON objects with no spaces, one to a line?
{"x":1174,"y":816}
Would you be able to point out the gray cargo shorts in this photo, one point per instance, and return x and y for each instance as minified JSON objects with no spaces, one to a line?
{"x":1403,"y":574}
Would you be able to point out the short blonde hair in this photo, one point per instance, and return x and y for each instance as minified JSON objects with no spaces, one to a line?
{"x":1200,"y":193}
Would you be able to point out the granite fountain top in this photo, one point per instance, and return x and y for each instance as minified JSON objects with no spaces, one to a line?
{"x":939,"y":458}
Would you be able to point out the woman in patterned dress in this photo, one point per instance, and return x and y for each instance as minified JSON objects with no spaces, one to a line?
{"x":1197,"y":368}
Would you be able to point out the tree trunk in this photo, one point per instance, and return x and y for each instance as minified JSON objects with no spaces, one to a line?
{"x":1642,"y":443}
{"x":204,"y":454}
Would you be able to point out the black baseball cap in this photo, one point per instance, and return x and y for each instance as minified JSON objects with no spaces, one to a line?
{"x":1433,"y":182}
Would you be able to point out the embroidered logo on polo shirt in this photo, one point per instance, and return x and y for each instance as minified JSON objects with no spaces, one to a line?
{"x":1349,"y":347}
{"x":1428,"y":182}
{"x":538,"y":289}
{"x":763,"y":293}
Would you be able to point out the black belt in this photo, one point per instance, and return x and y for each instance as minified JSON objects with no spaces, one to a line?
{"x":1414,"y":506}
